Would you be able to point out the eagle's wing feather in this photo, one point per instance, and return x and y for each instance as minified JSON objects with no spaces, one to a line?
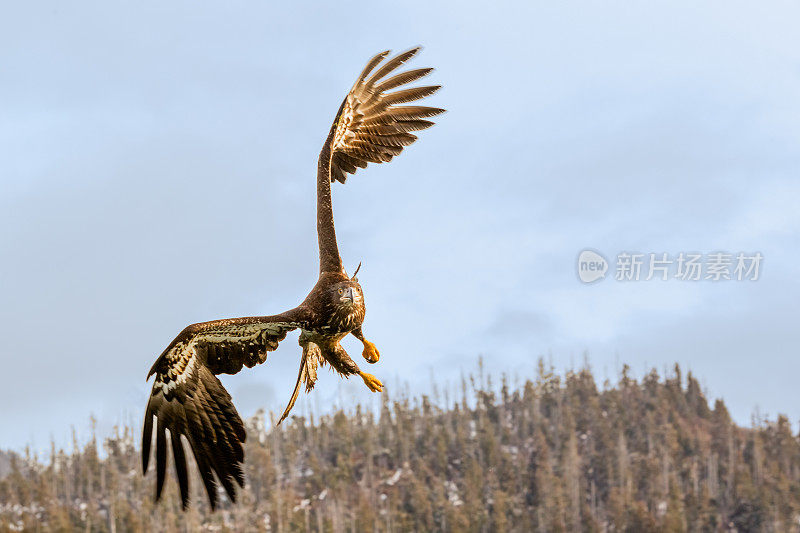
{"x":188,"y":399}
{"x":372,"y":126}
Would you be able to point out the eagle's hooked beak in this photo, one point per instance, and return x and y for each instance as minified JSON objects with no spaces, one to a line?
{"x":350,"y":294}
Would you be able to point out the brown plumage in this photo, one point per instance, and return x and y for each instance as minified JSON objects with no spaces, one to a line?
{"x":188,"y":399}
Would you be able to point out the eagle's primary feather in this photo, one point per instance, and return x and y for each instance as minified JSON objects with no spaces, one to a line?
{"x":372,"y":126}
{"x":187,"y":400}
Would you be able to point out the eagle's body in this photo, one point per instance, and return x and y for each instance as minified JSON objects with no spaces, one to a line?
{"x":187,"y":398}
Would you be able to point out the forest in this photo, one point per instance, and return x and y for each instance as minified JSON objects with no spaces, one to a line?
{"x":556,"y":452}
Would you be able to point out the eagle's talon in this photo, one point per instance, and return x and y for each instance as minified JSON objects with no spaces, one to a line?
{"x":370,"y":353}
{"x":371,"y":382}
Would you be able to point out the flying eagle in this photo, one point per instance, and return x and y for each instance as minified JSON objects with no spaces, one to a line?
{"x":187,"y":399}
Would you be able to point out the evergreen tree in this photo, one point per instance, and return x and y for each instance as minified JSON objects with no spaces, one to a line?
{"x":552,"y":454}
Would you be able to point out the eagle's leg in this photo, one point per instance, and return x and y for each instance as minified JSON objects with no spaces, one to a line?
{"x":342,"y":363}
{"x":370,"y":353}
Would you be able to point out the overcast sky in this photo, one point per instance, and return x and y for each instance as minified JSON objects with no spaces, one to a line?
{"x":157,"y":165}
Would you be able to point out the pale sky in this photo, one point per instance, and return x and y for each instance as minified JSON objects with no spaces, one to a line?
{"x":157,"y":165}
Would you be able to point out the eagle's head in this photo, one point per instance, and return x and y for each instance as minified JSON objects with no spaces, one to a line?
{"x":347,"y":295}
{"x":346,"y":301}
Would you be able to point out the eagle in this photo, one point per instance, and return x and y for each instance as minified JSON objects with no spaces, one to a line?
{"x":187,"y":400}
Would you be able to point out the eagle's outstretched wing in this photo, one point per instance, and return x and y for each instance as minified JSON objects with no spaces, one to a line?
{"x":372,"y":126}
{"x":188,"y":399}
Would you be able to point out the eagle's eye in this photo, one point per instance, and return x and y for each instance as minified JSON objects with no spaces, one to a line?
{"x":341,"y":291}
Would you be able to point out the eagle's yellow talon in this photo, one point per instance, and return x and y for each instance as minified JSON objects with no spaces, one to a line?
{"x":371,"y":381}
{"x":370,"y":353}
